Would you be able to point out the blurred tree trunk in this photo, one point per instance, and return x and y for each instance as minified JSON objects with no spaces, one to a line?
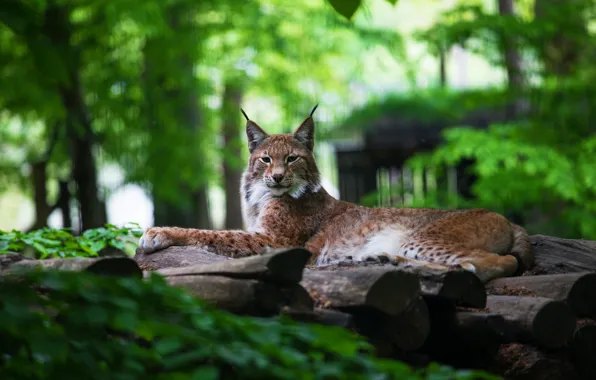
{"x":442,"y":67}
{"x":515,"y":80}
{"x":565,"y":41}
{"x":58,"y":29}
{"x":512,"y":62}
{"x":39,"y":180}
{"x":173,"y":93}
{"x":63,"y":203}
{"x":232,"y":163}
{"x":511,"y":55}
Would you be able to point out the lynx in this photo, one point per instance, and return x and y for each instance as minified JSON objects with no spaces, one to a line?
{"x":284,"y":205}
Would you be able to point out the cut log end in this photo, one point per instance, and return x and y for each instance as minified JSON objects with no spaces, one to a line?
{"x":583,"y":351}
{"x":582,"y":296}
{"x":290,"y":262}
{"x":387,"y":290}
{"x":116,"y":266}
{"x":554,"y":324}
{"x":464,"y":288}
{"x":412,"y":326}
{"x":391,"y":286}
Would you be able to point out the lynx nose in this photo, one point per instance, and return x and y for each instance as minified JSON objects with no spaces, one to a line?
{"x":277,"y":177}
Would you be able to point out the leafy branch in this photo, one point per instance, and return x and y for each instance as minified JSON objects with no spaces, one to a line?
{"x":51,"y":243}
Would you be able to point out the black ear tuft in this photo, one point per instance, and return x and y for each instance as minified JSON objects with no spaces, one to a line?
{"x":313,"y":110}
{"x":244,"y":113}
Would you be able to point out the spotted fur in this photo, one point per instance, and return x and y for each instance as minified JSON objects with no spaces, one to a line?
{"x":284,"y":205}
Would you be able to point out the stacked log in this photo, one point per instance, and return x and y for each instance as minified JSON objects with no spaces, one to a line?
{"x":537,"y":326}
{"x":519,"y":326}
{"x":555,"y":319}
{"x":571,"y":288}
{"x":107,"y":266}
{"x":384,"y":303}
{"x":258,"y":285}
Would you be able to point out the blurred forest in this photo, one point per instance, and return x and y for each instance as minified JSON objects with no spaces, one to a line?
{"x":98,"y":95}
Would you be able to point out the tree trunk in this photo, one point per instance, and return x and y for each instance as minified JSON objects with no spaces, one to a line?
{"x":63,"y":204}
{"x":232,"y":167}
{"x":511,"y":55}
{"x":58,"y":29}
{"x":442,"y":68}
{"x":515,"y":80}
{"x":40,"y":194}
{"x":563,"y":48}
{"x":84,"y":175}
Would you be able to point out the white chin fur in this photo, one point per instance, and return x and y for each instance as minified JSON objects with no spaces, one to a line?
{"x":278,"y":192}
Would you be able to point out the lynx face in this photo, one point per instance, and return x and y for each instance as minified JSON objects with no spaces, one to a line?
{"x":280,"y":164}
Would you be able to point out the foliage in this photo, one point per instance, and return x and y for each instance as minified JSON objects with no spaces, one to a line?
{"x":53,"y":243}
{"x":543,"y":166}
{"x":77,"y":325}
{"x":151,"y":73}
{"x":347,"y":8}
{"x":425,"y":106}
{"x":539,"y":162}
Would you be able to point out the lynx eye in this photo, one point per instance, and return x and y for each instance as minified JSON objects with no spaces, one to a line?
{"x":266,"y":160}
{"x":291,"y":159}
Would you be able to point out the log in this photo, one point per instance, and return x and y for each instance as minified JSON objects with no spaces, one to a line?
{"x":322,"y":317}
{"x":556,"y":255}
{"x":582,"y":351}
{"x":460,"y":286}
{"x":578,"y":290}
{"x":279,"y":266}
{"x":517,"y":361}
{"x":406,"y":331}
{"x":540,"y":320}
{"x":411,"y":328}
{"x":462,"y":338}
{"x":114,"y":266}
{"x":297,"y":298}
{"x":176,"y":257}
{"x":7,"y":259}
{"x":387,"y":290}
{"x":247,"y":297}
{"x":478,"y":328}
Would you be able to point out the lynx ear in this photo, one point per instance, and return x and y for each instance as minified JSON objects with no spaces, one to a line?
{"x":305,"y":134}
{"x":256,"y":135}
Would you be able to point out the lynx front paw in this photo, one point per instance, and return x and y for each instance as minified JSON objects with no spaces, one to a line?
{"x":155,"y":239}
{"x":382,"y":258}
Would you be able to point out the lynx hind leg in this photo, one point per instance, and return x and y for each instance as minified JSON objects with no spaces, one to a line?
{"x":522,"y":248}
{"x":488,"y":266}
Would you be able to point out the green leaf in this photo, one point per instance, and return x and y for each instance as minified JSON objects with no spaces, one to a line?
{"x":98,"y":245}
{"x":206,"y":373}
{"x":346,"y":8}
{"x":168,"y":345}
{"x":392,"y":2}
